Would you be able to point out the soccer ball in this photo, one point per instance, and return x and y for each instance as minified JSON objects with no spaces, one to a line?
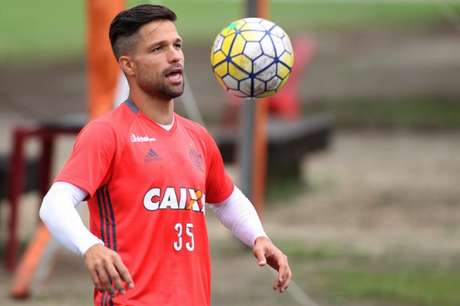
{"x":252,"y":57}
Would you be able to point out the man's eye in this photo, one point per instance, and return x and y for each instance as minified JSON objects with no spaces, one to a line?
{"x":156,"y":49}
{"x":178,"y":46}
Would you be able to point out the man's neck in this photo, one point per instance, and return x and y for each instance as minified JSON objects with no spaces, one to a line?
{"x":160,"y":111}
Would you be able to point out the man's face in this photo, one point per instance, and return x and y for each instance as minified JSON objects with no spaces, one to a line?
{"x":158,"y":60}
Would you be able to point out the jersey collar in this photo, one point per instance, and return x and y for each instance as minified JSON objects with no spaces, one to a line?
{"x":133,"y":107}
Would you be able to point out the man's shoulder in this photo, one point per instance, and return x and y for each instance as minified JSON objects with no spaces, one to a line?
{"x":191,"y":125}
{"x":197,"y":131}
{"x":115,"y":120}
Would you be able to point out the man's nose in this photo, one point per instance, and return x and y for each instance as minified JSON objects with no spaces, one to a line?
{"x":175,"y":55}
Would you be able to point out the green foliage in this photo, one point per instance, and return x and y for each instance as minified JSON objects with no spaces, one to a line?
{"x":282,"y":188}
{"x":202,"y":19}
{"x":50,"y":28}
{"x":410,"y":112}
{"x":346,"y":276}
{"x":409,"y":284}
{"x":336,"y":14}
{"x":41,"y":29}
{"x":302,"y":253}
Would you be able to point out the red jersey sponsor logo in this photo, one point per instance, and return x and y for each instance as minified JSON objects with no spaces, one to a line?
{"x":183,"y":198}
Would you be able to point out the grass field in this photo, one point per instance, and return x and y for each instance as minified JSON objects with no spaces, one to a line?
{"x":346,"y":276}
{"x":390,"y":279}
{"x":56,"y":28}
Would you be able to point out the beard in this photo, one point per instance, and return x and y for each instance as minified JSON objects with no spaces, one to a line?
{"x":170,"y":92}
{"x":160,"y":88}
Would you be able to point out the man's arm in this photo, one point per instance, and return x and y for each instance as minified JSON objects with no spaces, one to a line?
{"x":238,"y":215}
{"x":64,"y":223}
{"x":62,"y":219}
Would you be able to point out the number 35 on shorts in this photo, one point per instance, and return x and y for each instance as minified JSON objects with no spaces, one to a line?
{"x":179,"y":244}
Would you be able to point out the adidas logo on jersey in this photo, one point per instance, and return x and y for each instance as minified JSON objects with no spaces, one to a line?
{"x":135,"y":138}
{"x":151,"y":155}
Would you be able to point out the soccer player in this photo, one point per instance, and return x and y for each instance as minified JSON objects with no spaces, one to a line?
{"x":147,"y":173}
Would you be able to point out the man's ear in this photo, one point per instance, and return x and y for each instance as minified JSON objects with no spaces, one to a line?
{"x":127,"y":65}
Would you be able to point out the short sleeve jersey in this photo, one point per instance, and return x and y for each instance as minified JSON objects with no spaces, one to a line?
{"x":147,"y":190}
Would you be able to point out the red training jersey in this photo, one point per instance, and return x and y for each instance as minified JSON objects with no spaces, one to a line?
{"x":147,"y":190}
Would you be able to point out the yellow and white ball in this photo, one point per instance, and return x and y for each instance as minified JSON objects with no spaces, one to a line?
{"x":252,"y":57}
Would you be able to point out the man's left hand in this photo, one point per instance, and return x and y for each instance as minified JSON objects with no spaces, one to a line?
{"x":266,"y":252}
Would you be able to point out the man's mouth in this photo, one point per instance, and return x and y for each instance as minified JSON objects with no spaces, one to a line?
{"x":175,"y":75}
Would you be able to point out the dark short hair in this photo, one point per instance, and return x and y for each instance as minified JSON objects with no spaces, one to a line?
{"x":126,"y":24}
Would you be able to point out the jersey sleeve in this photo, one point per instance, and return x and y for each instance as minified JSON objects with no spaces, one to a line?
{"x":90,"y":161}
{"x":219,"y":185}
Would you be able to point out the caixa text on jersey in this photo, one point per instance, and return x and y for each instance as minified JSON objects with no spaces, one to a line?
{"x":169,"y":198}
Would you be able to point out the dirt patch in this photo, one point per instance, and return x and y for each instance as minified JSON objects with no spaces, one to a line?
{"x":380,"y":193}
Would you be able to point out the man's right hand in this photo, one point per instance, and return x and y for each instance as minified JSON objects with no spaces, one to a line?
{"x":107,"y":269}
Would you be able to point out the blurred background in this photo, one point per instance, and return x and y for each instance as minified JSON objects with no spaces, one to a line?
{"x":374,"y":218}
